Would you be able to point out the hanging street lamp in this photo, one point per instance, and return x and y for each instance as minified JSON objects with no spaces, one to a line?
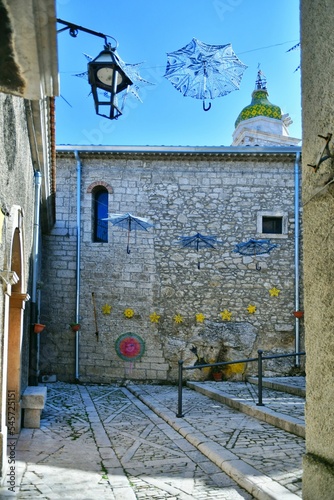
{"x":106,"y":75}
{"x":107,"y":78}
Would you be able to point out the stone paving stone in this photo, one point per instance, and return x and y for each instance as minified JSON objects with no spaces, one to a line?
{"x":153,"y":454}
{"x":273,"y":452}
{"x":287,"y":404}
{"x":101,"y":442}
{"x":283,"y":411}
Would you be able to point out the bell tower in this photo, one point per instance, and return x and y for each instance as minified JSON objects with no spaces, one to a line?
{"x":262,"y":123}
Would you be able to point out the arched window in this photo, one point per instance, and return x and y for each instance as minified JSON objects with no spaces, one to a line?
{"x":100,"y":211}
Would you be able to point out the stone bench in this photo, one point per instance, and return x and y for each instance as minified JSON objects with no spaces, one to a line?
{"x":33,"y":401}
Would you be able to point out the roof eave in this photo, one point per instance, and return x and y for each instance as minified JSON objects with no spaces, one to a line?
{"x":178,"y":150}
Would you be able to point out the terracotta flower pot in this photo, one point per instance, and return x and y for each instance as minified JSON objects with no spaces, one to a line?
{"x":38,"y":327}
{"x":217,"y":376}
{"x":75,"y":327}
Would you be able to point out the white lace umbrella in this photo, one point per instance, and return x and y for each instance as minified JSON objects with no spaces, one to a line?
{"x":204,"y":71}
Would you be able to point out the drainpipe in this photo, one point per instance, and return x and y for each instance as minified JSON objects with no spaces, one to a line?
{"x":297,"y":194}
{"x":78,"y":253}
{"x":35,"y":339}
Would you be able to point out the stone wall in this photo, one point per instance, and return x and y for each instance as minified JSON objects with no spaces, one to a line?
{"x":318,"y":198}
{"x":17,"y":189}
{"x":16,"y":215}
{"x":220,"y":195}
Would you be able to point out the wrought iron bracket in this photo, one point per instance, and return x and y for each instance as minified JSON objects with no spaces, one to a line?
{"x":324,"y":154}
{"x":74,"y":28}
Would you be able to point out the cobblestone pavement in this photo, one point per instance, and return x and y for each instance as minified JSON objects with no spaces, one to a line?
{"x":275,"y":453}
{"x":281,"y":402}
{"x":102,"y":442}
{"x":290,"y":381}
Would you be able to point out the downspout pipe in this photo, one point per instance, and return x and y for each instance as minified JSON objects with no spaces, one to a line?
{"x":35,"y":339}
{"x":78,"y":255}
{"x":297,"y":255}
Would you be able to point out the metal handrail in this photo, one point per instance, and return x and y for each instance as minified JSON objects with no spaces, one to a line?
{"x":259,"y":360}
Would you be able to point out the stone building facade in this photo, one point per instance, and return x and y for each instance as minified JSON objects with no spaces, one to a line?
{"x":34,"y":56}
{"x":234,"y":302}
{"x":16,"y":239}
{"x":28,"y":82}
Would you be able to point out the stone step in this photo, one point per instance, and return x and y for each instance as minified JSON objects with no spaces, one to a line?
{"x":283,"y":410}
{"x":260,"y":462}
{"x":291,"y":385}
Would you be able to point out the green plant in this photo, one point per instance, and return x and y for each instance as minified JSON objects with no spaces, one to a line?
{"x":75,"y":326}
{"x":221,"y":357}
{"x":104,"y":471}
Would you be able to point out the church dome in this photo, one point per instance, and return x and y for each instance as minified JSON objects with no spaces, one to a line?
{"x":260,"y":105}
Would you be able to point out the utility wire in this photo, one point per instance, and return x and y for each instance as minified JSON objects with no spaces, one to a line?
{"x":239,"y":53}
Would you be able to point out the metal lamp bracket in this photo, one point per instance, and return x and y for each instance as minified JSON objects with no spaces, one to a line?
{"x":73,"y":30}
{"x":324,"y":154}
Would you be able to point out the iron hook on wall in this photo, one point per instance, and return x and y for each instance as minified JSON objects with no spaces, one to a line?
{"x":324,"y":154}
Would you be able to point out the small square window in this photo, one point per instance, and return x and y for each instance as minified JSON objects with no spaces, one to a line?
{"x":272,"y":225}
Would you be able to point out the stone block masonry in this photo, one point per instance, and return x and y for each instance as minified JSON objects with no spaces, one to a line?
{"x":159,"y":280}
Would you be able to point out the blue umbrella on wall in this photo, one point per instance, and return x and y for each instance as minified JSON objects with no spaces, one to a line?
{"x":129,"y":222}
{"x":255,"y":247}
{"x":198,"y":241}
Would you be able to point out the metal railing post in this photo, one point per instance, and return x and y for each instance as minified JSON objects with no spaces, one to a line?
{"x":179,"y":405}
{"x":259,"y":363}
{"x":259,"y":360}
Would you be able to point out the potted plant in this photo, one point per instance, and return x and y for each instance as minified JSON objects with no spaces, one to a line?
{"x":38,"y":327}
{"x":75,"y":327}
{"x":217,"y":371}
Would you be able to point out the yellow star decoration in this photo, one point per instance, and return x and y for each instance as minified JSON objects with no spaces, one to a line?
{"x":128,"y":313}
{"x":226,"y":315}
{"x":154,"y":317}
{"x":251,"y":309}
{"x":200,"y":318}
{"x":106,"y":309}
{"x":178,"y":318}
{"x":274,"y":292}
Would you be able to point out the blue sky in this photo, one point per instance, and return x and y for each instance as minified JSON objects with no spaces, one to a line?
{"x":260,"y":31}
